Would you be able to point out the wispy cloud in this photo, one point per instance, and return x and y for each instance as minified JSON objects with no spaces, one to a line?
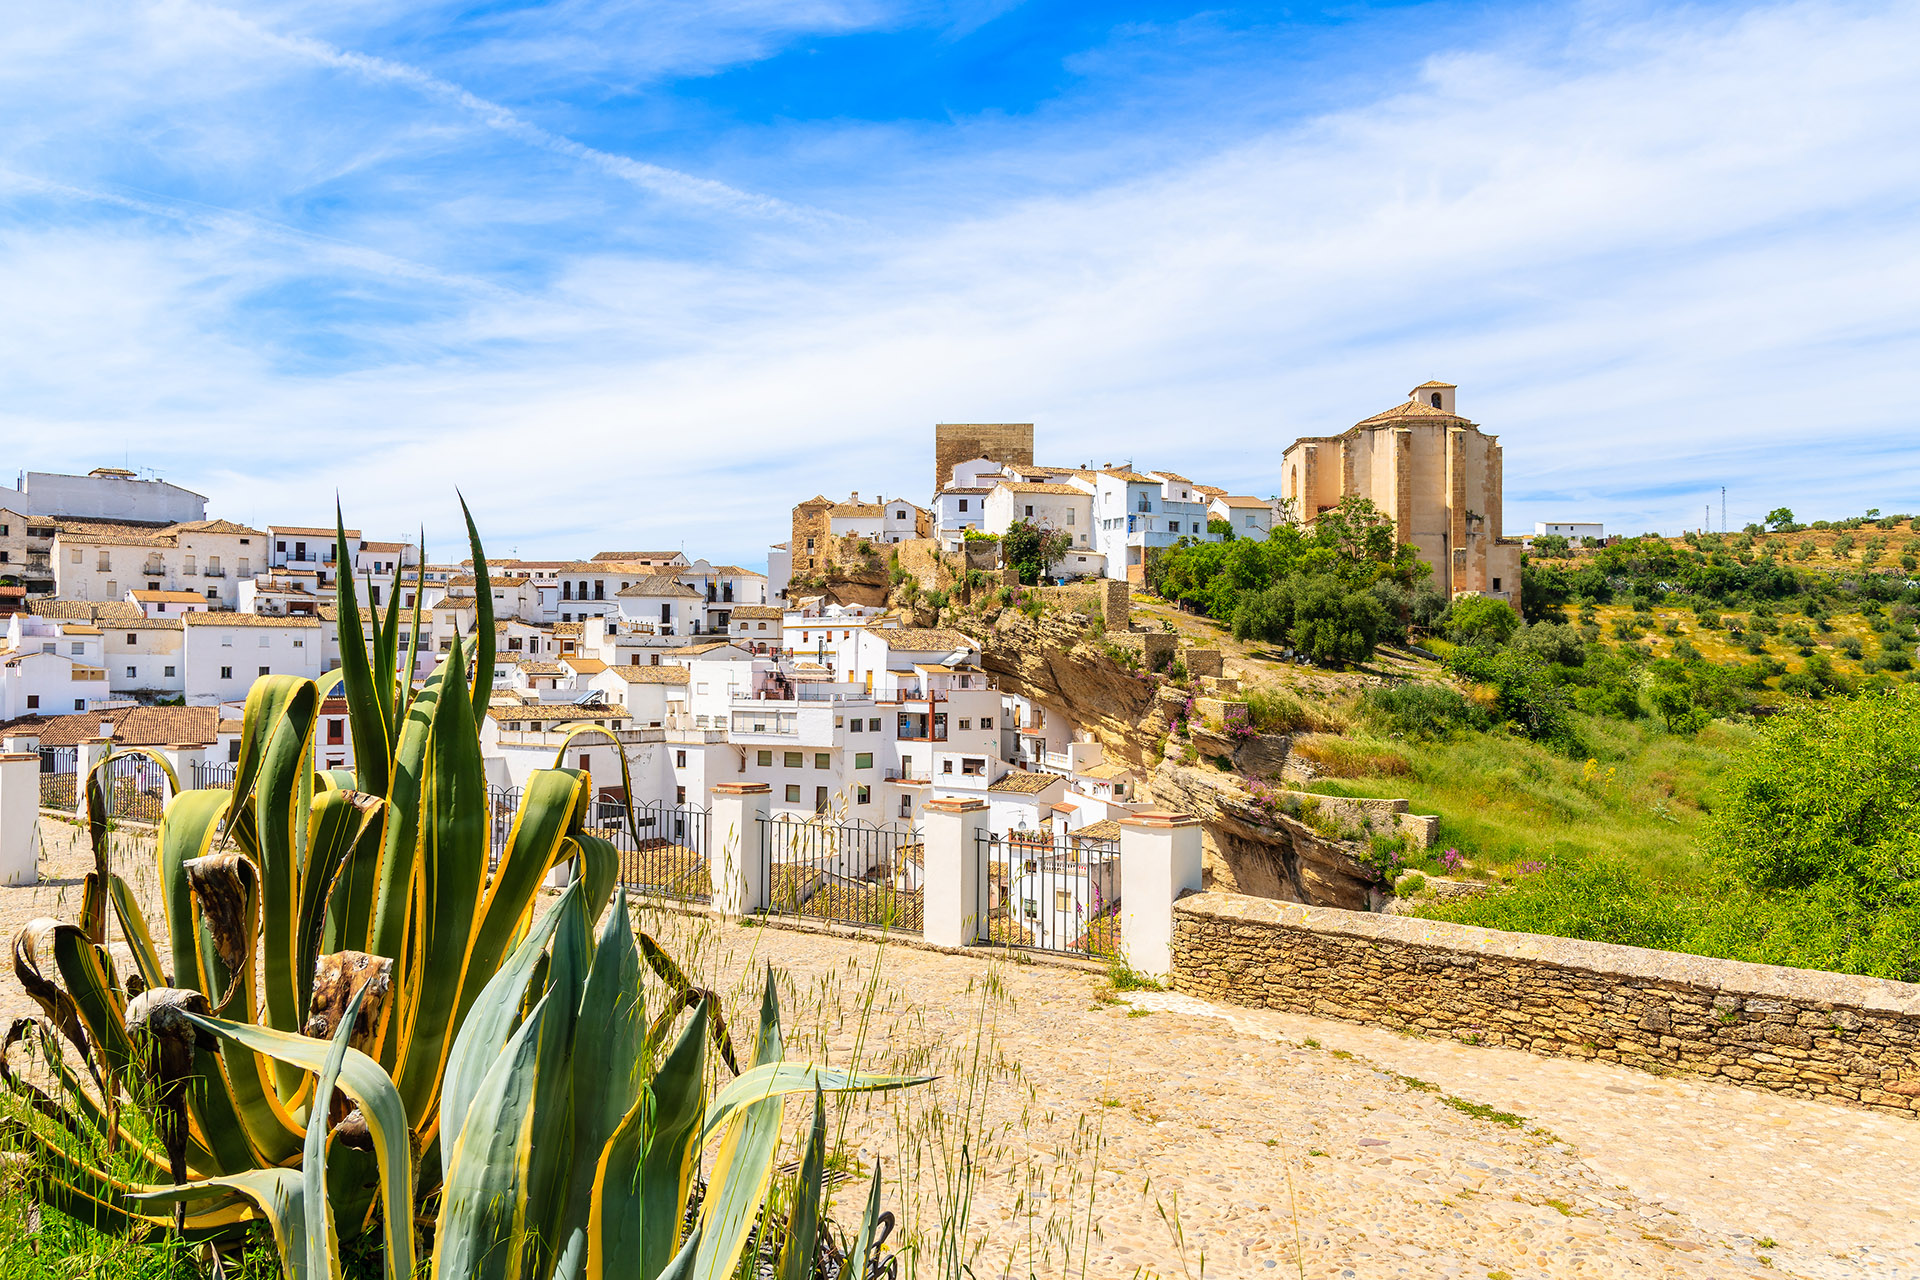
{"x":1659,"y":250}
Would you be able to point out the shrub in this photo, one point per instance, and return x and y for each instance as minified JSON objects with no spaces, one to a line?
{"x":1529,"y":700}
{"x":1271,"y":710}
{"x":1480,"y":620}
{"x":1417,"y":709}
{"x":1555,"y":644}
{"x":1314,"y":615}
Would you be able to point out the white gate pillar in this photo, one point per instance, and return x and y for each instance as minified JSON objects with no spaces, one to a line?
{"x":734,"y":859}
{"x":951,"y":869}
{"x":1159,"y":861}
{"x":19,"y":817}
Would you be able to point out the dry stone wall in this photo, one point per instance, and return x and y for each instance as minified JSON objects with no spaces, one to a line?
{"x":1102,"y":596}
{"x":1795,"y":1031}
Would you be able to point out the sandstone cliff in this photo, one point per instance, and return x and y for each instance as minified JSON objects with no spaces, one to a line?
{"x":1248,"y":849}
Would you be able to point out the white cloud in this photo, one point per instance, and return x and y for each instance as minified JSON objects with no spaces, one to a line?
{"x":1658,"y":253}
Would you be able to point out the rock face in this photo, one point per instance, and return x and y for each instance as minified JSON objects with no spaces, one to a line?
{"x":1247,"y":849}
{"x":1251,"y":851}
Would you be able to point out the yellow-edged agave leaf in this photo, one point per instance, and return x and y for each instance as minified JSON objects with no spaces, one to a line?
{"x":550,"y":807}
{"x":32,"y":965}
{"x":348,"y":920}
{"x":369,"y":714}
{"x":338,"y":824}
{"x":323,"y":1252}
{"x":490,"y":1023}
{"x":393,"y":904}
{"x":483,"y":637}
{"x":225,"y":897}
{"x":803,"y":1219}
{"x":742,"y":1172}
{"x":642,"y":1176}
{"x":620,"y":754}
{"x":187,"y":831}
{"x":777,"y":1079}
{"x":362,"y":1080}
{"x":855,"y":1266}
{"x":282,"y":793}
{"x":278,"y":1195}
{"x":87,"y":976}
{"x":453,"y":867}
{"x":133,"y":924}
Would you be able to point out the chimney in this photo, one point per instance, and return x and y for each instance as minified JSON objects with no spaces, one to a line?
{"x":106,"y":728}
{"x":855,"y":499}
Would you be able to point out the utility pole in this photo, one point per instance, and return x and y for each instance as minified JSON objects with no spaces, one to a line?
{"x":1723,"y":508}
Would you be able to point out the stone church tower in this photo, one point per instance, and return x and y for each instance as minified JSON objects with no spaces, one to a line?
{"x":1433,"y":471}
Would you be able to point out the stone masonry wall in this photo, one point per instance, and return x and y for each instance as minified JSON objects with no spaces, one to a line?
{"x":1819,"y":1035}
{"x":1103,"y":596}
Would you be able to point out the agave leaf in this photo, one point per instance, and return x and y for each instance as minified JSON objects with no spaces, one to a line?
{"x":323,"y":1246}
{"x":642,"y":1175}
{"x":339,"y":822}
{"x":490,"y":1022}
{"x":685,"y":993}
{"x":484,"y":640}
{"x":133,"y":924}
{"x":549,"y":807}
{"x":279,"y":1195}
{"x":32,"y":949}
{"x":855,"y":1266}
{"x":803,"y":1220}
{"x":187,"y":832}
{"x":366,"y":711}
{"x":362,"y":1080}
{"x":742,"y":1172}
{"x":350,"y":900}
{"x":776,"y":1079}
{"x":453,"y":867}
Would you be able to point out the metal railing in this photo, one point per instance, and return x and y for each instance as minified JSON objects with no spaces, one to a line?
{"x":136,"y":788}
{"x":849,"y":872}
{"x":664,"y":851}
{"x":908,"y":775}
{"x":213,"y":775}
{"x":59,"y":777}
{"x":1048,"y":891}
{"x":503,"y":805}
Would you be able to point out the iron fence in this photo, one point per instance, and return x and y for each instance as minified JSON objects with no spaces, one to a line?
{"x":59,"y":776}
{"x":851,"y":872}
{"x":136,"y":788}
{"x":213,"y":775}
{"x":663,"y":852}
{"x":1050,"y":891}
{"x":503,"y":805}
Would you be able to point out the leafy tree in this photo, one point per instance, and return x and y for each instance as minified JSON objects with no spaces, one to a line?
{"x":1315,"y":615}
{"x":1780,"y":518}
{"x":1551,"y":544}
{"x":1480,"y":620}
{"x":1219,"y":528}
{"x":1530,"y":701}
{"x":1031,"y":549}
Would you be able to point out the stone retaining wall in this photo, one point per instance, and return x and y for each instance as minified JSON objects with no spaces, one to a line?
{"x":1100,"y":596}
{"x":1796,"y":1031}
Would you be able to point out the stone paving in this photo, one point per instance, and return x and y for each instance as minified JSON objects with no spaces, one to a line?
{"x":1219,"y":1141}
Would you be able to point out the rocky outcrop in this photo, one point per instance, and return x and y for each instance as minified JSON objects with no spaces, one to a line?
{"x":1251,"y":850}
{"x":1066,"y":671}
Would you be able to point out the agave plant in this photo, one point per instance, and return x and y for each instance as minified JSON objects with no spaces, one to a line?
{"x":359,"y":908}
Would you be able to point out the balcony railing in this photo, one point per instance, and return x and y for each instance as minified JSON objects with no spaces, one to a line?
{"x":213,"y":571}
{"x":908,"y":775}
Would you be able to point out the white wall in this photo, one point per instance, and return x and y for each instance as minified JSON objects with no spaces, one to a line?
{"x":293,"y":650}
{"x":110,"y":498}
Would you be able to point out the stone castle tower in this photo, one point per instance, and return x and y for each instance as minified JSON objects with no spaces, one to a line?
{"x":955,"y":442}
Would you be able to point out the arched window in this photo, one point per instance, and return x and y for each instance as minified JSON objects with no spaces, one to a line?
{"x":1436,"y":399}
{"x":1294,"y":480}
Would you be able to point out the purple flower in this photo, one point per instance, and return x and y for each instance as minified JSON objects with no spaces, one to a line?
{"x":1452,"y":860}
{"x":1532,"y":868}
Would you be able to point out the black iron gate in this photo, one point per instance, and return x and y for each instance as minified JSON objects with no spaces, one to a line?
{"x":664,"y":852}
{"x":1048,"y":891}
{"x":59,"y":775}
{"x":851,"y":872}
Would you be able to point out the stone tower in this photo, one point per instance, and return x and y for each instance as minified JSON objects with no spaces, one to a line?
{"x":954,"y":442}
{"x":1437,"y":474}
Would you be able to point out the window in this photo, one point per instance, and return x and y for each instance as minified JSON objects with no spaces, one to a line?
{"x":265,"y":671}
{"x":336,"y":731}
{"x":863,"y":795}
{"x":104,"y":563}
{"x":78,"y":647}
{"x":169,"y":672}
{"x":131,"y":639}
{"x":299,"y":644}
{"x":863,"y":759}
{"x":963,"y":504}
{"x":765,"y":759}
{"x":966,"y":724}
{"x":679,"y":795}
{"x":33,"y":701}
{"x":1029,"y":510}
{"x":819,"y":799}
{"x":821,"y":760}
{"x":1496,"y":581}
{"x":79,"y":704}
{"x":793,"y":793}
{"x":859,"y":724}
{"x":873,"y":726}
{"x":796,"y":760}
{"x":1062,"y":900}
{"x":679,"y":759}
{"x":906,"y":806}
{"x":133,"y":673}
{"x":76,"y":555}
{"x":986,"y":722}
{"x":279,"y":546}
{"x":973,"y":768}
{"x":226,"y":673}
{"x":1069,"y":515}
{"x":946,"y":766}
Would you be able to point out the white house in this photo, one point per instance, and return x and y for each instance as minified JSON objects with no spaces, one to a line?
{"x":1248,"y":517}
{"x":224,"y":653}
{"x":1062,"y":508}
{"x":671,"y":606}
{"x":105,"y":493}
{"x":207,"y":557}
{"x":1572,"y":529}
{"x":162,"y":604}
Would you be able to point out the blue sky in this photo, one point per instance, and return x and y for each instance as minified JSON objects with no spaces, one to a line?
{"x":644,"y":273}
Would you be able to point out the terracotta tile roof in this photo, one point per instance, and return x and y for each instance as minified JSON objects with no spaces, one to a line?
{"x":633,"y":674}
{"x":657,"y":557}
{"x":79,"y":629}
{"x":1410,"y":409}
{"x":248,"y":620}
{"x":856,"y":510}
{"x":922,"y":639}
{"x":965,"y":489}
{"x":556,"y":711}
{"x":1026,"y":784}
{"x":538,"y":667}
{"x":1241,"y":500}
{"x":220,"y":526}
{"x":1210,"y":490}
{"x":86,"y":610}
{"x":113,"y":535}
{"x":1105,"y":772}
{"x":1174,"y":476}
{"x":1436,"y":386}
{"x":1131,"y":477}
{"x":659,"y":585}
{"x":136,"y":726}
{"x":169,"y":597}
{"x":503,"y":580}
{"x":738,"y":572}
{"x":583,"y":666}
{"x":308,"y":531}
{"x":567,"y":629}
{"x":1068,"y":489}
{"x":380,"y":546}
{"x":756,"y":611}
{"x":144,"y":624}
{"x":705,"y":646}
{"x":1105,"y":829}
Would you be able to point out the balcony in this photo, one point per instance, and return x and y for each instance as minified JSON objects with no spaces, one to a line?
{"x":908,"y":775}
{"x":213,"y":571}
{"x":547,"y":739}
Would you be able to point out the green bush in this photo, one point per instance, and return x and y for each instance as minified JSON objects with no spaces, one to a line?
{"x":1315,"y":616}
{"x":1480,"y":620}
{"x":1554,"y":644}
{"x":1417,"y":709}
